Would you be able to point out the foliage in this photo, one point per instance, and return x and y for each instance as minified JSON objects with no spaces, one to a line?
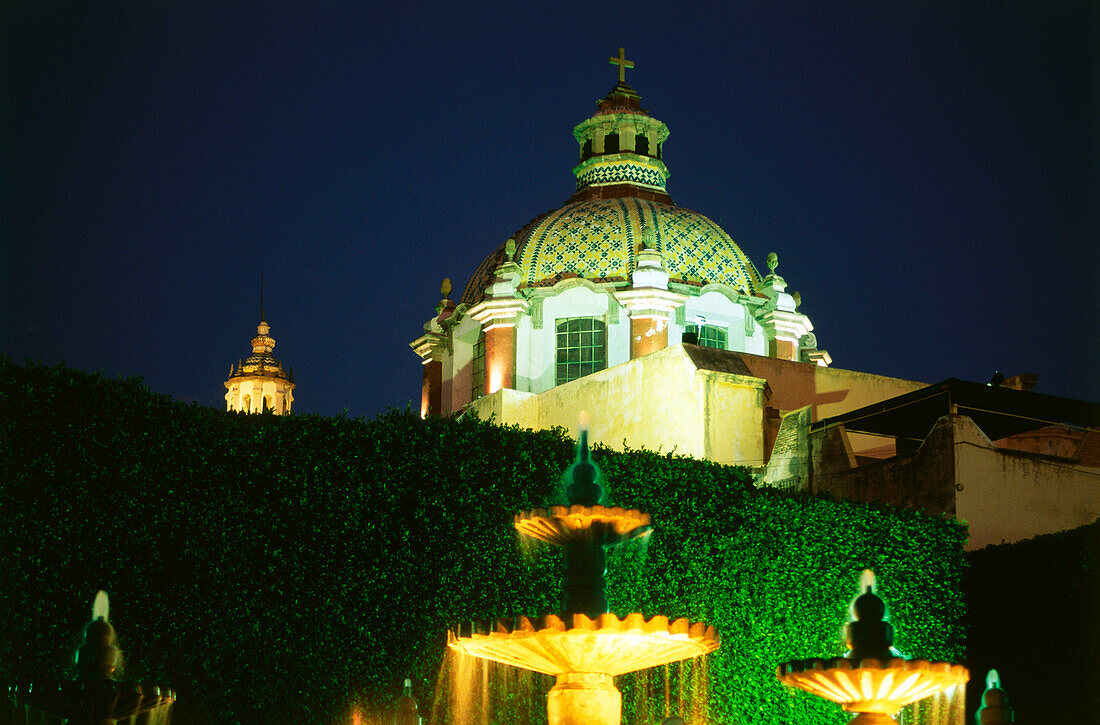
{"x":1035,"y":606}
{"x":276,"y":569}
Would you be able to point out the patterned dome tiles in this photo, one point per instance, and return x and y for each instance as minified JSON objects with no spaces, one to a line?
{"x":598,"y":239}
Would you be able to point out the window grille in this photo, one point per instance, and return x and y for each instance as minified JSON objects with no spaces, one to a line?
{"x":709,"y":335}
{"x":582,"y":348}
{"x":477,"y":368}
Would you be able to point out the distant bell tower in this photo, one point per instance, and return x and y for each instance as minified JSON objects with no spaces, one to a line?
{"x":260,"y":384}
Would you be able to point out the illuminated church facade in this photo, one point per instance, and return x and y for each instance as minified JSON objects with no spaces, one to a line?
{"x":648,"y":316}
{"x":566,"y":313}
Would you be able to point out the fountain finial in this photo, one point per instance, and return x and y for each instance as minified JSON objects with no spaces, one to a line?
{"x":101,"y":606}
{"x":868,"y":636}
{"x":406,"y":713}
{"x":994,"y":709}
{"x":99,"y":656}
{"x":585,"y":489}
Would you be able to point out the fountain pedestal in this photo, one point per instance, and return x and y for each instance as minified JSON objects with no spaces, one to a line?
{"x":584,"y":698}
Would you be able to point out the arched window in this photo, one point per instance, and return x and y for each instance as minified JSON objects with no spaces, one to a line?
{"x":586,"y":150}
{"x":477,"y":368}
{"x":641,"y":144}
{"x":709,"y":335}
{"x":246,"y":403}
{"x":582,"y":348}
{"x":611,"y":143}
{"x":268,"y":407}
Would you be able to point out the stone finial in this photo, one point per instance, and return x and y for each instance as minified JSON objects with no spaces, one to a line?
{"x":995,"y":709}
{"x":445,"y":288}
{"x":869,"y":637}
{"x":649,"y":238}
{"x":797,"y":297}
{"x":773,"y":261}
{"x":406,"y":709}
{"x":510,"y":250}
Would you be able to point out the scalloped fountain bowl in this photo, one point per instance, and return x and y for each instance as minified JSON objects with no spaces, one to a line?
{"x":561,"y":525}
{"x":873,"y":688}
{"x":606,"y":644}
{"x":586,"y":656}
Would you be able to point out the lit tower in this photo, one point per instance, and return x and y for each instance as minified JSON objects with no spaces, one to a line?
{"x":260,"y":383}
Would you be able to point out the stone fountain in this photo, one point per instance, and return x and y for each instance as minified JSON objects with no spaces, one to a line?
{"x":95,"y":697}
{"x":871,"y":680}
{"x":584,"y":646}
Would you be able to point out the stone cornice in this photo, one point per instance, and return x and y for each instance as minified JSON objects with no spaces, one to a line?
{"x":428,"y":346}
{"x":498,"y":311}
{"x":642,"y":301}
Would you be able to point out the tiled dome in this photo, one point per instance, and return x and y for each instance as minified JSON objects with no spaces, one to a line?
{"x":598,"y":239}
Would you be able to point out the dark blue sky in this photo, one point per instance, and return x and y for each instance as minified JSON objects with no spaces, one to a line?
{"x":926,"y":171}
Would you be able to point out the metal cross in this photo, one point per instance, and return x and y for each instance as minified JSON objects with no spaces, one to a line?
{"x":623,"y":64}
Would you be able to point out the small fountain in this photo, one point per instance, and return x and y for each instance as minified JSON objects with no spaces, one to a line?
{"x":406,"y":711}
{"x":994,"y":709}
{"x":95,"y":697}
{"x":586,"y":646}
{"x":870,"y":679}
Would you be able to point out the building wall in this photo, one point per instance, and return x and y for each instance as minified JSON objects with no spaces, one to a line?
{"x":1002,"y":495}
{"x":1009,"y":496}
{"x":659,"y":402}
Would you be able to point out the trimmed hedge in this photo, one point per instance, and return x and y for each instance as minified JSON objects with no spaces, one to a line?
{"x":1035,"y":618}
{"x":276,"y":569}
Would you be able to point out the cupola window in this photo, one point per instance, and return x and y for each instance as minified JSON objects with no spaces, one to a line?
{"x":641,"y":144}
{"x":477,"y":368}
{"x":582,"y":348}
{"x":586,"y":150}
{"x":659,"y":149}
{"x":708,"y":335}
{"x":611,"y":143}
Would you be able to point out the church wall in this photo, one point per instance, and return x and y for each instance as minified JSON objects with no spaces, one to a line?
{"x":734,"y":432}
{"x":717,"y":309}
{"x":828,"y":391}
{"x":578,"y":301}
{"x":463,"y":338}
{"x":659,"y":402}
{"x":528,"y":354}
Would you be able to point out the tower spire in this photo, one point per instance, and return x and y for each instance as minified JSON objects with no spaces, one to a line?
{"x":263,"y":317}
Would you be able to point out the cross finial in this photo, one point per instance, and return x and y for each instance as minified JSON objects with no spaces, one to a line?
{"x":623,"y":64}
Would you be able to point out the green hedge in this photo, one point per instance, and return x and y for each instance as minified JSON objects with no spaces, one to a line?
{"x":274,"y":570}
{"x":1035,"y":619}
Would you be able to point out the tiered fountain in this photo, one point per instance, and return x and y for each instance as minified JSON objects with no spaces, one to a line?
{"x":871,"y":680}
{"x":94,"y":697}
{"x":586,"y":646}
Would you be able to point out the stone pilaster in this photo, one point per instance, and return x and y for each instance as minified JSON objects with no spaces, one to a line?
{"x":430,"y":347}
{"x":498,"y":314}
{"x":649,"y":303}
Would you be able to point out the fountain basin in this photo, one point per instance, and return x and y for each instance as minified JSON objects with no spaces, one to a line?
{"x":102,"y":700}
{"x":870,"y":685}
{"x":562,"y":525}
{"x":606,"y":645}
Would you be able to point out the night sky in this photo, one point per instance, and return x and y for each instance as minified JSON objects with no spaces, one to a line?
{"x":926,"y":171}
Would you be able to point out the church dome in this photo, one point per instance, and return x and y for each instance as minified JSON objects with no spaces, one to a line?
{"x":598,"y":239}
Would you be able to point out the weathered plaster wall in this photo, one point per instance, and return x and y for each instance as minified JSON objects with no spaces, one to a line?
{"x":923,"y":480}
{"x":1004,"y":496}
{"x":659,"y":402}
{"x":1009,"y":496}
